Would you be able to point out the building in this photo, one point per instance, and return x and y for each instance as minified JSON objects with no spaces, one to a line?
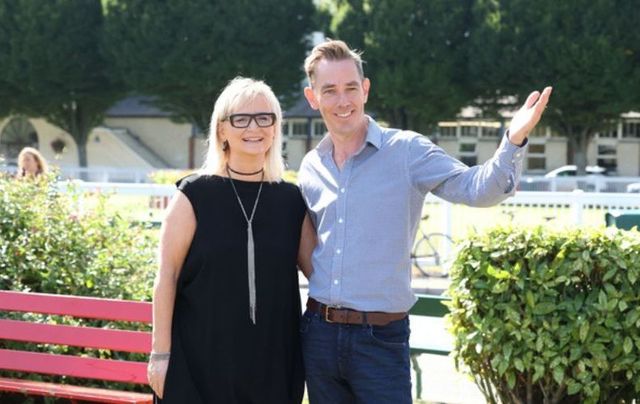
{"x":138,"y":138}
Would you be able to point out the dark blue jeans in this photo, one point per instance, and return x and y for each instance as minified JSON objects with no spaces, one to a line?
{"x":356,"y":363}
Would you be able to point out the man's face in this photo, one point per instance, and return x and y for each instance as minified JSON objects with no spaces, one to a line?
{"x":340,"y":95}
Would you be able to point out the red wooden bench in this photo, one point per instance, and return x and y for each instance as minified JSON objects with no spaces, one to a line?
{"x":89,"y":337}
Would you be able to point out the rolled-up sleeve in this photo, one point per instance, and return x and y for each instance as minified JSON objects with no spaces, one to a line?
{"x":431,"y":169}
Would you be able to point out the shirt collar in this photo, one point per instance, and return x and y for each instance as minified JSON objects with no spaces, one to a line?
{"x":374,"y":138}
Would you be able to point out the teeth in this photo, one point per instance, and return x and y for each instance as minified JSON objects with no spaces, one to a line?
{"x":346,"y":114}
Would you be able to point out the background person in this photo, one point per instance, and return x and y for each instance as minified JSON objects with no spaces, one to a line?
{"x":226,"y":302}
{"x":31,"y":163}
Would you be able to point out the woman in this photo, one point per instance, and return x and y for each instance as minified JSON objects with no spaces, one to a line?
{"x":31,"y":163}
{"x":226,"y":302}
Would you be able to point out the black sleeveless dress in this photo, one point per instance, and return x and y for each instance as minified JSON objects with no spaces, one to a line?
{"x":217,"y":354}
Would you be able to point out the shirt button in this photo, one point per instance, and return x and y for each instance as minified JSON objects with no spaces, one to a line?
{"x":340,"y":220}
{"x":342,"y":190}
{"x":338,"y":251}
{"x":335,"y":281}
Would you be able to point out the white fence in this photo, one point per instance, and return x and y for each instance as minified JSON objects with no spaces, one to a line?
{"x":589,"y":183}
{"x":561,"y":208}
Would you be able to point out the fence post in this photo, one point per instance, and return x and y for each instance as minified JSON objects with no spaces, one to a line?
{"x":577,"y":205}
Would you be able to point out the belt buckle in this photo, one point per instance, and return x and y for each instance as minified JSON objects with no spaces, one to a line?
{"x":326,"y":314}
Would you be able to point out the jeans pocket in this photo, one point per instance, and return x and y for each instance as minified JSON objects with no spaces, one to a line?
{"x":395,"y":333}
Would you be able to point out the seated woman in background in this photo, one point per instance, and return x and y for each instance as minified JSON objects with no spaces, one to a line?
{"x":31,"y":163}
{"x":226,"y":302}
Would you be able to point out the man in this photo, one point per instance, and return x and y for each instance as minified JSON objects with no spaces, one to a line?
{"x":365,"y":187}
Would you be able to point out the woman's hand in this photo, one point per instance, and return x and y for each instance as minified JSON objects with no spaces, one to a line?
{"x":156,"y":373}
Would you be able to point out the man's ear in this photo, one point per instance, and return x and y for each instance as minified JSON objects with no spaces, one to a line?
{"x":311,"y":97}
{"x":366,"y":85}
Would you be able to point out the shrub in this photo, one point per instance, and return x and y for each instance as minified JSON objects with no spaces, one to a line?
{"x":49,"y":245}
{"x":168,"y":177}
{"x":543,"y":316}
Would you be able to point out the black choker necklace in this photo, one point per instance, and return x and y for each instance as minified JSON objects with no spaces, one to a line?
{"x":241,"y":173}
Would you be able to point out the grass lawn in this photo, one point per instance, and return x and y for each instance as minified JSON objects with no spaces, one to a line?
{"x":465,"y":219}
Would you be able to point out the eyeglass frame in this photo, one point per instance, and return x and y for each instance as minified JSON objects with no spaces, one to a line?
{"x":252,"y":117}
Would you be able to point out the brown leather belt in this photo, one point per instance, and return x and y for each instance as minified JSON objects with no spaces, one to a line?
{"x":348,"y":316}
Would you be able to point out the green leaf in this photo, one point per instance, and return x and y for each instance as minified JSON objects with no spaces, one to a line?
{"x":511,"y":380}
{"x":497,"y":273}
{"x":573,"y":388}
{"x":544,"y":308}
{"x":558,"y":374}
{"x":622,"y":306}
{"x":584,"y":331}
{"x":610,"y":274}
{"x":519,"y":364}
{"x":627,"y":345}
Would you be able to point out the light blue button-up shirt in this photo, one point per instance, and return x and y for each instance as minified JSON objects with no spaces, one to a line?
{"x":366,"y":215}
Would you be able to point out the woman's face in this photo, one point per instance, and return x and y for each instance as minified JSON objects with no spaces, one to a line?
{"x":29,"y":164}
{"x":251,"y":134}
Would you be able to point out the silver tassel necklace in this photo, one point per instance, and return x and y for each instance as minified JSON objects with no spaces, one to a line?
{"x":251,"y":257}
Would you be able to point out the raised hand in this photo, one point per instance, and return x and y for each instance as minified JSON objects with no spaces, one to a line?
{"x":528,"y":116}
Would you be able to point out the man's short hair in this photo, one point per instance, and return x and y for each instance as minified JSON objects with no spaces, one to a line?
{"x":331,"y":50}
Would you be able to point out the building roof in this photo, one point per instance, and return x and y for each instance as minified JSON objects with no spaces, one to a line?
{"x":136,"y":106}
{"x":301,"y":109}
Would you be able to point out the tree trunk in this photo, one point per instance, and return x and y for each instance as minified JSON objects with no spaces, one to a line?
{"x":578,"y":144}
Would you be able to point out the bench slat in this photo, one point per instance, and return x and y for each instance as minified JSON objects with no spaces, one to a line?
{"x":73,"y":392}
{"x":90,"y":368}
{"x":90,"y":337}
{"x":76,"y":306}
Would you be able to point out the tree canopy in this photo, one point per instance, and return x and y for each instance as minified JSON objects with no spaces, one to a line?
{"x":588,"y":50}
{"x":415,"y":54}
{"x":183,"y":52}
{"x":52,"y":65}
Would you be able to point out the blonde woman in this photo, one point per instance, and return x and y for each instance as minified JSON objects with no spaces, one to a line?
{"x":226,"y":301}
{"x":31,"y":163}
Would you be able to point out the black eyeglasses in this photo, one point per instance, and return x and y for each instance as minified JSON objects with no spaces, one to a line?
{"x":241,"y":121}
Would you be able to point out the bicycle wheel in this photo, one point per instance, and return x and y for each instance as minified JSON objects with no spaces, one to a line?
{"x":433,"y":254}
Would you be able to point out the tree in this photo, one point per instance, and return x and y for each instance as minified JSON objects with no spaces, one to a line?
{"x":589,"y":51}
{"x":52,"y":65}
{"x":415,"y":53}
{"x":183,"y":52}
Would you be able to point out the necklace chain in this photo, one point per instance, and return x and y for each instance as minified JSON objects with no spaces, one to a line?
{"x":249,"y":219}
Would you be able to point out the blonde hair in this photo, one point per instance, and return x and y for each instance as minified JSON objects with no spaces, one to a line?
{"x":331,"y":50}
{"x":43,"y":167}
{"x":240,"y":91}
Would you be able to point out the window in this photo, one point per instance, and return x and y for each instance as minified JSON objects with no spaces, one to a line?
{"x":536,"y":160}
{"x":299,"y":128}
{"x":631,"y":129}
{"x":539,"y":131}
{"x":469,"y":131}
{"x":17,"y":134}
{"x":608,"y":157}
{"x":490,"y":131}
{"x":318,"y":128}
{"x":285,"y":128}
{"x":447,"y":129}
{"x":467,"y":153}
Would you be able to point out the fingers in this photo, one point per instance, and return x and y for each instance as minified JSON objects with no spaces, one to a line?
{"x":531,"y":99}
{"x":538,"y":100}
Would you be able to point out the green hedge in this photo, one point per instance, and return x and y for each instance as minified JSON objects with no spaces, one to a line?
{"x":67,"y":243}
{"x":50,"y":242}
{"x":544,"y":316}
